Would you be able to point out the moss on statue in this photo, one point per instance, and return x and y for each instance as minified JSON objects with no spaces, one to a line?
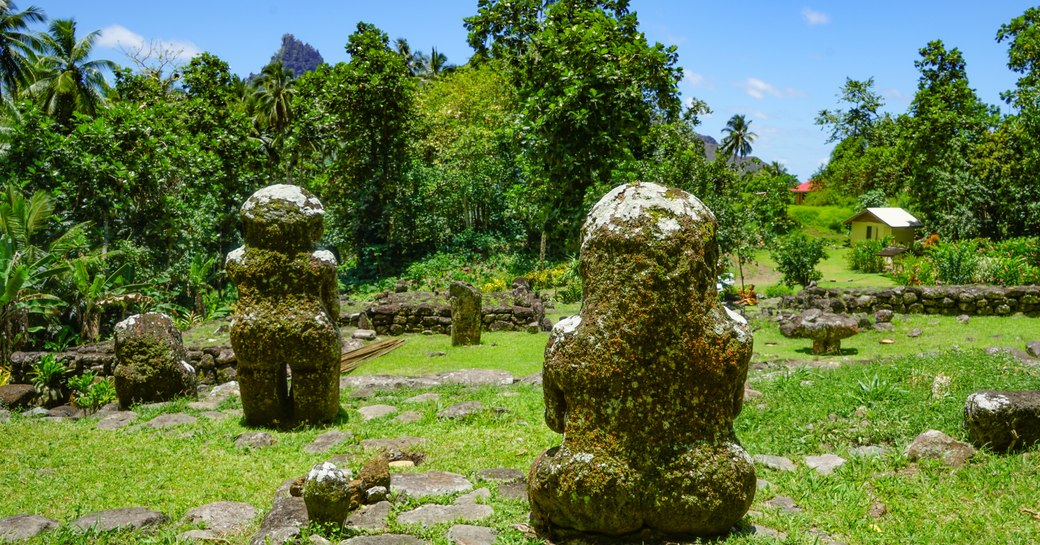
{"x":286,"y":315}
{"x":645,"y":383}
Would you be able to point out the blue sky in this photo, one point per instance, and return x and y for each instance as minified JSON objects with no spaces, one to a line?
{"x":777,"y":62}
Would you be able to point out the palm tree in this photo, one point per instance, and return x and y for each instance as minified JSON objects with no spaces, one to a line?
{"x":272,"y":95}
{"x":435,"y":64}
{"x":414,"y":61}
{"x":738,"y":139}
{"x":66,"y":81}
{"x":16,"y":46}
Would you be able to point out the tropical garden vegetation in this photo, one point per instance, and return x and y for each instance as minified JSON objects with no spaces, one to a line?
{"x":121,"y":184}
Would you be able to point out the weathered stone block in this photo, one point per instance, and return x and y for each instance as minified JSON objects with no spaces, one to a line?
{"x":153,"y":364}
{"x":1003,"y":420}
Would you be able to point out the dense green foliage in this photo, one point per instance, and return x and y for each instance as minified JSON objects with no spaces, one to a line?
{"x":1010,"y":262}
{"x":796,"y":258}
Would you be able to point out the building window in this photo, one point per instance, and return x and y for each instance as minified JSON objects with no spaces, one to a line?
{"x":869,"y":231}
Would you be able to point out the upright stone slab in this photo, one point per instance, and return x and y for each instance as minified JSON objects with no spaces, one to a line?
{"x":152,"y":364}
{"x":646,"y":381}
{"x":287,"y":311}
{"x":465,"y":314}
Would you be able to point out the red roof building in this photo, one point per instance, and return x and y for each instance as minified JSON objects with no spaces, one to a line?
{"x":801,"y":189}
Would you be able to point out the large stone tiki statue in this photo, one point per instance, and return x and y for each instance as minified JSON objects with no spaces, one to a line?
{"x":644,"y":384}
{"x":287,"y":311}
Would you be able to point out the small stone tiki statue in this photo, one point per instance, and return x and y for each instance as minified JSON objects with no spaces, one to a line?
{"x":644,"y":384}
{"x":285,"y":321}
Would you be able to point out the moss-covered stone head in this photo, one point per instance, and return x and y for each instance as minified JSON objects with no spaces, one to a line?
{"x":282,"y":217}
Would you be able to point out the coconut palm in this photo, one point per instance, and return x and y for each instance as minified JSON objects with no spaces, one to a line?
{"x":434,"y":64}
{"x":16,"y":45}
{"x":414,"y":61}
{"x":66,"y":81}
{"x":272,"y":95}
{"x":738,"y":139}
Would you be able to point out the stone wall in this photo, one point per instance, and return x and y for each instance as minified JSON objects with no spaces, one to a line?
{"x":420,"y":311}
{"x":214,"y":365}
{"x":951,"y":300}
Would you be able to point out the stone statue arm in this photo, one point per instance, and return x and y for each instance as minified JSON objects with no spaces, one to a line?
{"x":555,"y":404}
{"x":330,"y":292}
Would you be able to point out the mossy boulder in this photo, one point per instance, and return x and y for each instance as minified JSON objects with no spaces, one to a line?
{"x":285,"y":320}
{"x":152,"y":363}
{"x":646,"y":381}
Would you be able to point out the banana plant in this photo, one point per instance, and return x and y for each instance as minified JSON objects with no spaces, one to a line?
{"x":95,"y":290}
{"x":18,"y":296}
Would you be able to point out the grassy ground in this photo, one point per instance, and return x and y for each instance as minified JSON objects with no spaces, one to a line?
{"x":872,"y":394}
{"x":824,"y":222}
{"x":836,"y":273}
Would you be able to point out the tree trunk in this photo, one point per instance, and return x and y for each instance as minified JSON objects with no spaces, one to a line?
{"x":541,"y":248}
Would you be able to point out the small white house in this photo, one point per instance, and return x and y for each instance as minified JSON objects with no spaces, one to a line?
{"x":879,"y":223}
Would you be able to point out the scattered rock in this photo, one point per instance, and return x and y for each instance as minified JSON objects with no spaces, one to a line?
{"x":461,"y":410}
{"x":384,"y":539}
{"x":364,"y":334}
{"x":283,"y":521}
{"x":395,"y":447}
{"x":430,"y":514}
{"x":778,"y":463}
{"x":1004,"y":420}
{"x":222,"y":517}
{"x":326,"y":441}
{"x":371,"y":517}
{"x":934,"y":444}
{"x":1033,"y":348}
{"x":116,"y":420}
{"x":376,"y":494}
{"x":409,"y":417}
{"x":464,"y":534}
{"x":204,"y":405}
{"x":824,"y":328}
{"x":514,"y":491}
{"x":255,"y":440}
{"x":877,"y":510}
{"x":227,"y":389}
{"x":432,"y":483}
{"x":963,"y":318}
{"x":751,"y":394}
{"x":785,"y":504}
{"x":825,"y":464}
{"x":914,"y":333}
{"x":17,"y":396}
{"x":502,"y":475}
{"x":868,"y":451}
{"x":135,"y":518}
{"x":5,"y":415}
{"x":465,"y":377}
{"x":371,"y":412}
{"x":941,"y":386}
{"x":423,"y":398}
{"x":23,"y":527}
{"x":170,"y":420}
{"x":883,"y":316}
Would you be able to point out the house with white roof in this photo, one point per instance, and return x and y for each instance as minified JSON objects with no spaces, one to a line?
{"x":879,"y":223}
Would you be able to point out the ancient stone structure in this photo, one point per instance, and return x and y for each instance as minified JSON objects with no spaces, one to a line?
{"x":328,"y":494}
{"x":465,"y":314}
{"x":1003,"y":420}
{"x":287,"y":311}
{"x":949,"y":300}
{"x":645,"y":383}
{"x":824,"y":328}
{"x":419,"y":311}
{"x":152,"y":364}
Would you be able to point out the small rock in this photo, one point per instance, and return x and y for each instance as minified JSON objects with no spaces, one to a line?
{"x":825,"y":464}
{"x":392,"y":446}
{"x":402,"y":463}
{"x":461,"y":410}
{"x":1033,"y":348}
{"x":326,"y":441}
{"x":785,"y":504}
{"x":409,"y":417}
{"x":364,"y":335}
{"x":371,"y":517}
{"x":963,"y":318}
{"x":940,"y":386}
{"x":765,"y":531}
{"x":877,"y":510}
{"x":934,"y":444}
{"x":423,"y":398}
{"x":128,"y":517}
{"x":375,"y":472}
{"x":464,"y":534}
{"x":501,"y":475}
{"x":384,"y":539}
{"x":914,"y":333}
{"x":23,"y":527}
{"x":868,"y":451}
{"x":116,"y":420}
{"x":376,"y":494}
{"x":432,"y":483}
{"x":371,"y":412}
{"x":428,"y":515}
{"x":778,"y":463}
{"x":222,"y":517}
{"x":203,"y":405}
{"x":17,"y":396}
{"x":226,"y":389}
{"x":1003,"y":420}
{"x":436,"y":354}
{"x":170,"y":420}
{"x":752,"y":394}
{"x":255,"y":440}
{"x":883,"y":316}
{"x":860,"y":412}
{"x":36,"y":412}
{"x":884,"y":326}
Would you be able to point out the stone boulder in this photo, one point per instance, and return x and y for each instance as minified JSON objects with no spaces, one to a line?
{"x":152,"y":362}
{"x":824,"y":328}
{"x":646,"y":381}
{"x":936,"y":445}
{"x":17,"y":396}
{"x":1003,"y":420}
{"x":329,"y":495}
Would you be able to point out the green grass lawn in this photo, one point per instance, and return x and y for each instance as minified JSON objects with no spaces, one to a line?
{"x":834,"y":267}
{"x":874,"y":394}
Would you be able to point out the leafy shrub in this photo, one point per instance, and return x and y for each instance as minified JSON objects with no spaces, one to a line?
{"x":1007,"y":270}
{"x":563,"y":278}
{"x":955,"y":262}
{"x":91,"y":393}
{"x":864,"y":256}
{"x":915,"y":271}
{"x":1028,"y":248}
{"x":48,"y":377}
{"x":777,"y":290}
{"x":874,"y":198}
{"x":796,"y":258}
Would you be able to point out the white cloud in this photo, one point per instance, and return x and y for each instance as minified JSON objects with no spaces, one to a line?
{"x":813,"y":17}
{"x":692,"y":78}
{"x":120,"y":37}
{"x":759,"y":89}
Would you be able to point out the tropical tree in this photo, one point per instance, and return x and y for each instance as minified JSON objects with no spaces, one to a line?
{"x":434,"y":64}
{"x":414,"y":60}
{"x":272,"y":98}
{"x":738,"y":139}
{"x":66,"y":80}
{"x":16,"y":45}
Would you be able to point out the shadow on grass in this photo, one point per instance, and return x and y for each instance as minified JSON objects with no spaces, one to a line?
{"x":843,"y":352}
